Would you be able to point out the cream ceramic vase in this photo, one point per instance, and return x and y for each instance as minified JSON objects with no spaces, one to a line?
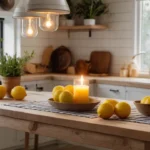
{"x":10,"y":83}
{"x":70,"y":22}
{"x":133,"y":69}
{"x":89,"y":22}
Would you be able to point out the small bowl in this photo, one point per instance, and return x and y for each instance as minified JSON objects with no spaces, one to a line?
{"x":75,"y":107}
{"x":143,"y":108}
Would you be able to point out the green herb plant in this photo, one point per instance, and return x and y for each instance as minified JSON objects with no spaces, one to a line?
{"x":89,"y":9}
{"x":72,"y":10}
{"x":13,"y":66}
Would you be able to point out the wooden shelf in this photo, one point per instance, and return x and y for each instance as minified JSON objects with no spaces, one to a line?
{"x":95,"y":27}
{"x":83,"y":28}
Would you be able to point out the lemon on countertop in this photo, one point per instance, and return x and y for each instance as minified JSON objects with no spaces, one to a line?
{"x":2,"y":91}
{"x":111,"y":101}
{"x":123,"y":110}
{"x":18,"y":93}
{"x":105,"y":110}
{"x":66,"y":97}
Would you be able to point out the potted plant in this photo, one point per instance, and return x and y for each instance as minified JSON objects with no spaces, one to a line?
{"x":70,"y":17}
{"x":89,"y":9}
{"x":11,"y":69}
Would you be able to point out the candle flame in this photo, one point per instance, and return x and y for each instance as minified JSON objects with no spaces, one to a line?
{"x":82,"y":80}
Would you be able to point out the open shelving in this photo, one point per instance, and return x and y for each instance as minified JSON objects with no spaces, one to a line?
{"x":83,"y":28}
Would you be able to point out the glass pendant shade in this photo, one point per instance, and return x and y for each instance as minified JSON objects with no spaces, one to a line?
{"x":49,"y":22}
{"x":29,"y":27}
{"x":29,"y":20}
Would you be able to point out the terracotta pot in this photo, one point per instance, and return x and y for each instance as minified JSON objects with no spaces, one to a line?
{"x":10,"y":83}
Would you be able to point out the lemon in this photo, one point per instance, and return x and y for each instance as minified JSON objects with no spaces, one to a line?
{"x":2,"y":91}
{"x":122,"y":110}
{"x":145,"y":100}
{"x":59,"y":87}
{"x":57,"y":94}
{"x":66,"y":97}
{"x":111,"y":101}
{"x":105,"y":110}
{"x":18,"y":93}
{"x":69,"y":88}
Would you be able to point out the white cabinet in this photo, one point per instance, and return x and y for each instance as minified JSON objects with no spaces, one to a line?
{"x":136,"y":93}
{"x":92,"y":89}
{"x":7,"y":138}
{"x":63,"y":83}
{"x":110,"y":91}
{"x":30,"y":86}
{"x":45,"y":85}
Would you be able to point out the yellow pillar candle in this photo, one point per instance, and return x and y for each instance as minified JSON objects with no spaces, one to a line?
{"x":81,"y":91}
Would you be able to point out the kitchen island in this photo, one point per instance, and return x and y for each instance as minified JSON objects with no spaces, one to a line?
{"x":112,"y":134}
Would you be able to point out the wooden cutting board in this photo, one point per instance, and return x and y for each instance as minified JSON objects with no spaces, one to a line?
{"x":46,"y":57}
{"x":100,"y":62}
{"x":34,"y":68}
{"x":61,"y":59}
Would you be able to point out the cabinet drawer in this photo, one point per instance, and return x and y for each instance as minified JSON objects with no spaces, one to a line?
{"x":110,"y":91}
{"x":136,"y":93}
{"x":29,"y":86}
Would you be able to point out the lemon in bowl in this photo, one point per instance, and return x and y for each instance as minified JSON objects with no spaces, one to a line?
{"x":66,"y":97}
{"x":56,"y":95}
{"x":69,"y":88}
{"x":56,"y":88}
{"x":143,"y":105}
{"x":145,"y":100}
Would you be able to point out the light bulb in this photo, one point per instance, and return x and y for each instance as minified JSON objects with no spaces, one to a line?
{"x":29,"y":27}
{"x":49,"y":22}
{"x":30,"y":31}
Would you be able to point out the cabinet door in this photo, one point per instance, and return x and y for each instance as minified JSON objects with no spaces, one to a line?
{"x":29,"y":86}
{"x":93,"y":89}
{"x":45,"y":85}
{"x":7,"y":138}
{"x":136,"y":93}
{"x":63,"y":83}
{"x":110,"y":91}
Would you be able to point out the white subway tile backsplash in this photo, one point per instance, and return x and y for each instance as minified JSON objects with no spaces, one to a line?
{"x":118,"y":38}
{"x":121,"y":7}
{"x":121,"y":17}
{"x":121,"y":26}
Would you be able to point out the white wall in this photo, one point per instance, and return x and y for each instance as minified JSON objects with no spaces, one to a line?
{"x":118,"y":39}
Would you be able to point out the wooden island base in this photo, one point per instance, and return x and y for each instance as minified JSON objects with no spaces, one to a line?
{"x":115,"y":135}
{"x":74,"y":135}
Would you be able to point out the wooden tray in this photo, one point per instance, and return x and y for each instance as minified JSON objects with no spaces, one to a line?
{"x":75,"y":107}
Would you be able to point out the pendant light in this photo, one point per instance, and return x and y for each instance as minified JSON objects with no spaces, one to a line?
{"x":50,"y":11}
{"x":29,"y":20}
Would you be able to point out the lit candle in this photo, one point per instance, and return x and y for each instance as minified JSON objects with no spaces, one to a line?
{"x":81,"y":91}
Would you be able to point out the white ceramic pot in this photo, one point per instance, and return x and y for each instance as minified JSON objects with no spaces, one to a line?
{"x":63,"y":22}
{"x":70,"y":22}
{"x":89,"y":22}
